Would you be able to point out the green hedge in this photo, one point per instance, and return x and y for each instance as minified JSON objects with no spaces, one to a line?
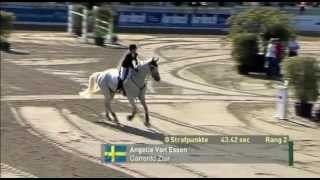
{"x":245,"y":48}
{"x":303,"y":74}
{"x":6,"y":20}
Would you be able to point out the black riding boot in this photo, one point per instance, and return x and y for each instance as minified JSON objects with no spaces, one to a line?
{"x":120,"y":87}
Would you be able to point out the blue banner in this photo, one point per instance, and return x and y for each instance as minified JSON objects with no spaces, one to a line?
{"x":38,"y":15}
{"x":172,"y":20}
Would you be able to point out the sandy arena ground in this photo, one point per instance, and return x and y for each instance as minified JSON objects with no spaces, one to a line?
{"x":47,"y":130}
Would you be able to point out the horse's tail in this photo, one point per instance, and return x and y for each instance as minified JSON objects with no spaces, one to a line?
{"x":92,"y":87}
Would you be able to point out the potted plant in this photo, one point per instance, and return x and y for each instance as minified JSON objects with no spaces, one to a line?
{"x":303,"y":76}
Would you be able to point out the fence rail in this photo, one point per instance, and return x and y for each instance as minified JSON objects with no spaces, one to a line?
{"x":77,"y":13}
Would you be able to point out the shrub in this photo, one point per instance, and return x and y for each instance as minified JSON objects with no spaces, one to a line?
{"x":245,"y":48}
{"x":303,"y":74}
{"x":6,"y":20}
{"x":264,"y":22}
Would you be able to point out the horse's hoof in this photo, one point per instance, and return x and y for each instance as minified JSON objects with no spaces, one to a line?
{"x":108,"y":118}
{"x":147,"y":124}
{"x":129,"y":118}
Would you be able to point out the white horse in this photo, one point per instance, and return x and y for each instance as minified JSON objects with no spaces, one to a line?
{"x":135,"y":87}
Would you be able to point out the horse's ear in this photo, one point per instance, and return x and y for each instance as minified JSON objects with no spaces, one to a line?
{"x":154,"y":59}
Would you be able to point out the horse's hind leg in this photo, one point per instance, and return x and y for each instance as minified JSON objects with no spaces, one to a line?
{"x":108,"y":98}
{"x":107,"y":108}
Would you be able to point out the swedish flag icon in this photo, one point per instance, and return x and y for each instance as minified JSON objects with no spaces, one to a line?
{"x":115,"y":153}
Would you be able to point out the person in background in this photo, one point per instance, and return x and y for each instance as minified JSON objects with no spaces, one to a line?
{"x":279,"y":56}
{"x":271,"y":57}
{"x":302,"y":7}
{"x":293,"y":47}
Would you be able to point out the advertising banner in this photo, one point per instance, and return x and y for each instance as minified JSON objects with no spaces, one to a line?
{"x":38,"y":15}
{"x":172,"y":20}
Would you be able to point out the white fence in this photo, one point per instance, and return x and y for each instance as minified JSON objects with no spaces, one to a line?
{"x":104,"y":25}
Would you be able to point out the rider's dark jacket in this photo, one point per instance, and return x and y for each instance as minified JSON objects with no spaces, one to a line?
{"x":128,"y":60}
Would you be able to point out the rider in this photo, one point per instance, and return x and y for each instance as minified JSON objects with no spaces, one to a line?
{"x":129,"y":63}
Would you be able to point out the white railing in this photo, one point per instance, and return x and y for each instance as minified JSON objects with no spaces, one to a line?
{"x":108,"y":27}
{"x":84,"y":15}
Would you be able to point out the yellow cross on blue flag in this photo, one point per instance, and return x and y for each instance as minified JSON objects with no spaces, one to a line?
{"x":115,"y":153}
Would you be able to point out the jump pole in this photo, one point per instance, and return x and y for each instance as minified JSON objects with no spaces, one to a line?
{"x":70,"y":19}
{"x":84,"y":36}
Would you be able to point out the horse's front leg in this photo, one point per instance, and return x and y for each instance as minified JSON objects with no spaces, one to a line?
{"x":134,"y":108}
{"x":146,"y":111}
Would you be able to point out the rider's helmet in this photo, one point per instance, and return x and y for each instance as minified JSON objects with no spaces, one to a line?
{"x":132,"y":47}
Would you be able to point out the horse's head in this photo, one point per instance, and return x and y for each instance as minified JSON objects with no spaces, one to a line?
{"x":153,"y":66}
